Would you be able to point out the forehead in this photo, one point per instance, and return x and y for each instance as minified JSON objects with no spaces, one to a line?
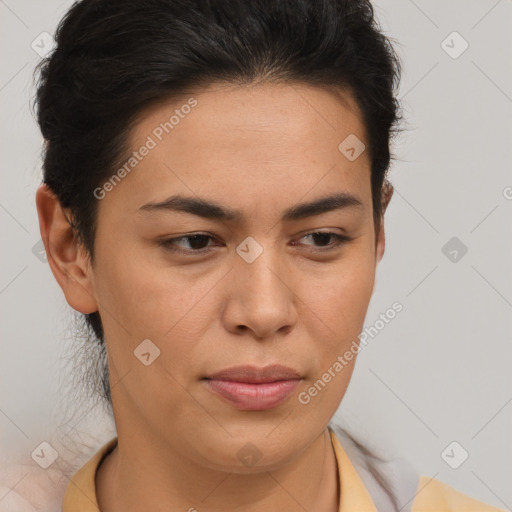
{"x":248,"y":143}
{"x":292,"y":110}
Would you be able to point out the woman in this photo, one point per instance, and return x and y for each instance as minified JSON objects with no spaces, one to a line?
{"x":213,"y":203}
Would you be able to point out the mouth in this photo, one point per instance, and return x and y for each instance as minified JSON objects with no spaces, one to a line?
{"x":254,"y":389}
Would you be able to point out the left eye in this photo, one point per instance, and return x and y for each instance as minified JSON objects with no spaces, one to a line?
{"x":322,"y":236}
{"x":197,"y":242}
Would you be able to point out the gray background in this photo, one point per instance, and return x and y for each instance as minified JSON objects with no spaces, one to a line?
{"x":440,"y":371}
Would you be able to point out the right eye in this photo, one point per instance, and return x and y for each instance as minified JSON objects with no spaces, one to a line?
{"x":196,"y":242}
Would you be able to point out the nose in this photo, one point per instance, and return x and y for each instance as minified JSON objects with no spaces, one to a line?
{"x":261,"y":298}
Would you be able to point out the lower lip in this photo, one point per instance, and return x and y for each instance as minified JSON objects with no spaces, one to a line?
{"x":254,"y":397}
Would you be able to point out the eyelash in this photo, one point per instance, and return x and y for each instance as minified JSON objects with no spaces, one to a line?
{"x":168,"y":243}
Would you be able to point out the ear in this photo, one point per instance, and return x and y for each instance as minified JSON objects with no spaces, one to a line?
{"x":68,"y":260}
{"x":387,"y":193}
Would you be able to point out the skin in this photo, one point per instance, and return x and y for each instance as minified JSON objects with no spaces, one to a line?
{"x":259,"y":149}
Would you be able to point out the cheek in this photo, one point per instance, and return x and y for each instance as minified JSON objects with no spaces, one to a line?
{"x":340,"y":295}
{"x":339,"y":306}
{"x":340,"y":302}
{"x":169,"y":306}
{"x":140,"y":302}
{"x":142,"y":296}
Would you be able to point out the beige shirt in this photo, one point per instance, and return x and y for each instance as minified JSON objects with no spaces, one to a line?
{"x":431,"y":495}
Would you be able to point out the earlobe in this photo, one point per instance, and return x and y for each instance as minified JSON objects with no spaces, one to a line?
{"x":67,"y":259}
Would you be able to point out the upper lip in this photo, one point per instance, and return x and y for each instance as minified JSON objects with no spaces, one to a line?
{"x":252,"y":374}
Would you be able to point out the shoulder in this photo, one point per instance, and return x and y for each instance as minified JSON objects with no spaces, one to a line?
{"x":394,"y":484}
{"x":389,"y":482}
{"x":432,"y":494}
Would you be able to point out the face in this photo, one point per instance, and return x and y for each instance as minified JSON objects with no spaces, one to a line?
{"x":186,"y":290}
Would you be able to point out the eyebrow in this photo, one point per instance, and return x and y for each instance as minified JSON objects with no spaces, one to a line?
{"x":215,"y":211}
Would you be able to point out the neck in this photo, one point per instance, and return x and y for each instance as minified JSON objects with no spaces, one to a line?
{"x":137,"y":479}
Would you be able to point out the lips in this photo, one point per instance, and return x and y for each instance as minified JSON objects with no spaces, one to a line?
{"x":254,"y":375}
{"x":254,"y":389}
